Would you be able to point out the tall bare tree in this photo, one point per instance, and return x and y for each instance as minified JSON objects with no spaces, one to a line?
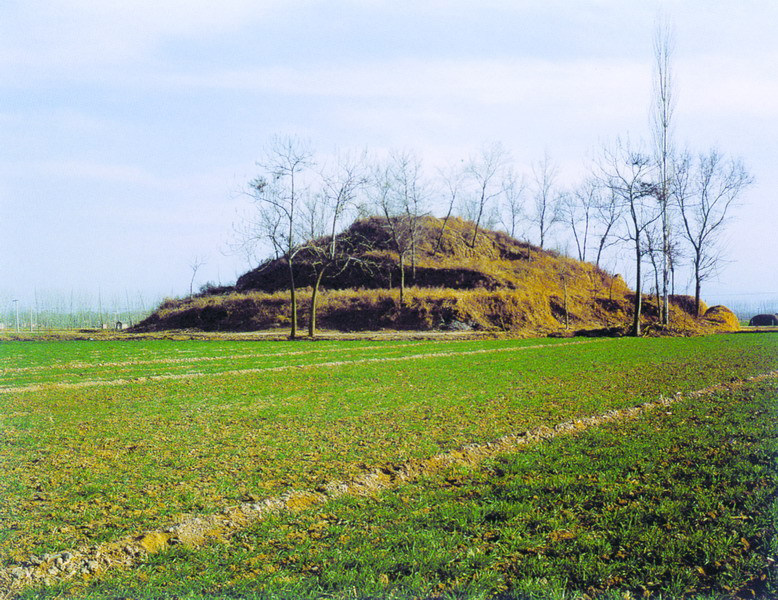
{"x":546,"y":198}
{"x":706,"y":190}
{"x":628,"y":174}
{"x":661,"y":121}
{"x":278,"y":194}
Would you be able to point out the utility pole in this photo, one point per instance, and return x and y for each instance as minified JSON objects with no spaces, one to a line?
{"x":16,"y":304}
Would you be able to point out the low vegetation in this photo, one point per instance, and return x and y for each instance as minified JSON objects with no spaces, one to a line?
{"x":679,"y":503}
{"x":105,"y":439}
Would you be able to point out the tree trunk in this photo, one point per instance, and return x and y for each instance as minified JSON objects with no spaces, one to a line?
{"x":638,"y":292}
{"x":475,"y":234}
{"x":664,"y":311}
{"x":312,"y":313}
{"x":413,"y":259}
{"x":600,"y":248}
{"x":658,"y":297}
{"x":442,"y":232}
{"x":697,"y":286}
{"x":293,"y":302}
{"x":477,"y":223}
{"x":665,"y":291}
{"x":402,"y":279}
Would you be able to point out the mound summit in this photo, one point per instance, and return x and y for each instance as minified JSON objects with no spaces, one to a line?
{"x":445,"y":280}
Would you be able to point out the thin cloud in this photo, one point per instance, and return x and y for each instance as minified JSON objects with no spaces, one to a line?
{"x":485,"y":82}
{"x":76,"y":34}
{"x":722,"y":86}
{"x":89,"y":170}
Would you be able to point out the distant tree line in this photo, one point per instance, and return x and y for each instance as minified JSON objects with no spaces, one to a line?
{"x":663,"y":206}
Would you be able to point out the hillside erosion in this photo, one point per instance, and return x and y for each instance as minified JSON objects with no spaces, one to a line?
{"x":436,"y":276}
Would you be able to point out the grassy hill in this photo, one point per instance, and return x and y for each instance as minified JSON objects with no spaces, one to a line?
{"x":495,"y":283}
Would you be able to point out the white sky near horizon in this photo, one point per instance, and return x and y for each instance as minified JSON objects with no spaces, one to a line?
{"x":129,"y":128}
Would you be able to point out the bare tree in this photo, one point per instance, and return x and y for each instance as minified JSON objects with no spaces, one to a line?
{"x":578,"y":209}
{"x":279,"y":194}
{"x":661,"y":121}
{"x":512,"y":205}
{"x":324,"y":215}
{"x":452,"y":182}
{"x":546,"y":198}
{"x":398,"y":194}
{"x":485,"y":172}
{"x":706,"y":190}
{"x":627,"y":174}
{"x":194,"y":264}
{"x":607,"y":213}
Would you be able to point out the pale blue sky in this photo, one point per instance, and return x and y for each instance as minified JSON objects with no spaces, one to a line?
{"x":127,"y":128}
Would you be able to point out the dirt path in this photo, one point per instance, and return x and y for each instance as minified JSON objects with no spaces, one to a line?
{"x":197,"y":531}
{"x":36,"y":387}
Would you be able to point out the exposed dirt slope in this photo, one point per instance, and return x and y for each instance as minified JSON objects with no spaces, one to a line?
{"x":495,"y":284}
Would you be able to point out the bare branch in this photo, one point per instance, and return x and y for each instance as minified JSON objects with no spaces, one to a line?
{"x":485,"y":173}
{"x":706,"y":191}
{"x":512,"y":206}
{"x":547,"y":199}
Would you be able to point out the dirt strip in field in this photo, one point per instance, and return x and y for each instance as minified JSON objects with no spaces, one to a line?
{"x":36,"y":387}
{"x":199,"y":530}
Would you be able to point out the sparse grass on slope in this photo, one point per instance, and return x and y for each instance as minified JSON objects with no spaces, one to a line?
{"x":497,"y":283}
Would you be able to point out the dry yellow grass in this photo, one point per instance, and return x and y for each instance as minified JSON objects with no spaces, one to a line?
{"x":496,"y":284}
{"x":722,"y":318}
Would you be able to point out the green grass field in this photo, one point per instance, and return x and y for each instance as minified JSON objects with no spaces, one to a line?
{"x":105,"y":439}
